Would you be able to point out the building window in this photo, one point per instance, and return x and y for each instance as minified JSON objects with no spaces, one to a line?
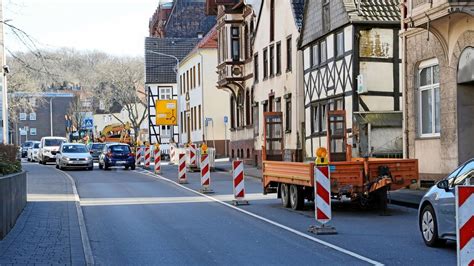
{"x":247,"y":109}
{"x":232,"y":112}
{"x":22,"y":116}
{"x":181,"y":122}
{"x":235,"y":44}
{"x":32,"y":131}
{"x":165,"y":93}
{"x":272,"y":20}
{"x":200,"y":117}
{"x":318,"y":117}
{"x":187,"y":81}
{"x":289,"y":54}
{"x":199,"y":74}
{"x":326,"y":16}
{"x":194,"y":118}
{"x":255,"y":119}
{"x":324,"y":52}
{"x":33,"y":116}
{"x":194,"y":76}
{"x":314,"y":118}
{"x":288,"y":114}
{"x":429,"y":101}
{"x":315,"y":55}
{"x":265,"y":106}
{"x":255,"y":67}
{"x":323,"y":118}
{"x":265,"y":63}
{"x":339,"y":44}
{"x":272,"y":60}
{"x":278,"y":104}
{"x":278,"y":58}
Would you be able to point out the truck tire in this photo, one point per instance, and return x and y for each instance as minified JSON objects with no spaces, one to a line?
{"x":296,"y":197}
{"x":285,"y":195}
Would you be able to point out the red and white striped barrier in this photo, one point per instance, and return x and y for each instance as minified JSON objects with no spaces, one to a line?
{"x":192,"y":154}
{"x":205,"y":174}
{"x":147,"y":157}
{"x":138,"y":155}
{"x":172,"y":153}
{"x":465,"y":224}
{"x":182,"y":169}
{"x":322,"y":192}
{"x":157,"y":157}
{"x":238,"y":182}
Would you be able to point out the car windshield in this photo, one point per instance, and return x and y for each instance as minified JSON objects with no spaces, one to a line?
{"x":36,"y":145}
{"x":119,"y":148}
{"x":97,"y":146}
{"x":74,"y":149}
{"x":53,"y":142}
{"x":27,"y":144}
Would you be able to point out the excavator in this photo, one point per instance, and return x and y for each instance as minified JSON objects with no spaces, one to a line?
{"x":116,"y":133}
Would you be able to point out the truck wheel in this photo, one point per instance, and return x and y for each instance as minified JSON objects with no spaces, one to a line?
{"x":285,"y":195}
{"x":296,"y":197}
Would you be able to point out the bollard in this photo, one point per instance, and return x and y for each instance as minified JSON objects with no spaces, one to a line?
{"x":182,"y":169}
{"x":465,"y":224}
{"x":322,"y":195}
{"x":147,"y":157}
{"x":238,"y":183}
{"x":205,"y":171}
{"x":157,"y":157}
{"x":138,"y":155}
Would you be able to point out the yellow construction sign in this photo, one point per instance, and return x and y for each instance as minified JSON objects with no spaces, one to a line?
{"x":166,"y":112}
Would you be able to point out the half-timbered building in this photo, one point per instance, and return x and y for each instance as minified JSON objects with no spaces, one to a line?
{"x":351,"y":63}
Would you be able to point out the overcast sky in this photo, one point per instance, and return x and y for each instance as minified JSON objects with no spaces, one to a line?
{"x":114,"y":26}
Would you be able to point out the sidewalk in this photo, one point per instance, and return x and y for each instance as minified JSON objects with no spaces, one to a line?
{"x":47,"y":231}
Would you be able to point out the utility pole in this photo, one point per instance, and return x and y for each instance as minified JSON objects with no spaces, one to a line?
{"x":3,"y":77}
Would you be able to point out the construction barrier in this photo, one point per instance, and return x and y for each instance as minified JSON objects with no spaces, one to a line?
{"x":138,"y":155}
{"x":205,"y":174}
{"x":157,"y":158}
{"x":182,"y":169}
{"x":238,"y":183}
{"x":465,"y":224}
{"x":211,"y":155}
{"x":147,"y":157}
{"x":322,"y":200}
{"x":173,"y":157}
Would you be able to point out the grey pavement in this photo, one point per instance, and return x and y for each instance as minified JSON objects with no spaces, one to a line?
{"x":136,"y":219}
{"x":47,"y":231}
{"x":392,"y":240}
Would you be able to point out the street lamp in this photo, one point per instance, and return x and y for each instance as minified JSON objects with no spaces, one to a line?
{"x":177,"y":86}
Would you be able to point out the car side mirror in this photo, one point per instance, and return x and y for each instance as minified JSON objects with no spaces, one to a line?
{"x":91,"y":152}
{"x":443,"y":184}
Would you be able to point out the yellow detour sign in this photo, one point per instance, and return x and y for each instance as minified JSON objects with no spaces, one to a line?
{"x":204,"y":148}
{"x":321,"y":156}
{"x":166,"y":112}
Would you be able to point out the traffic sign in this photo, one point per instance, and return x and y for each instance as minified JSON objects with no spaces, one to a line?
{"x":226,"y":119}
{"x":88,"y":123}
{"x":166,"y":112}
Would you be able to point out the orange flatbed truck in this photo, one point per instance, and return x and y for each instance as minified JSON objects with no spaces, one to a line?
{"x":364,"y":180}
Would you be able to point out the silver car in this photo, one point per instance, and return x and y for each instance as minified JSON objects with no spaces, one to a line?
{"x":74,"y":155}
{"x":437,"y":213}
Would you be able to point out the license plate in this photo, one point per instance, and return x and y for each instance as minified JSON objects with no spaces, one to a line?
{"x":121,"y":162}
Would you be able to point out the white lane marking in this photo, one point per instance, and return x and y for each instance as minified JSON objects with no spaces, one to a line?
{"x":284,"y":227}
{"x":86,"y":246}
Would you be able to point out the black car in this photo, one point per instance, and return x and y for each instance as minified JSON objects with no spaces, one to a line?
{"x":24,"y":148}
{"x":96,"y":150}
{"x":117,"y":154}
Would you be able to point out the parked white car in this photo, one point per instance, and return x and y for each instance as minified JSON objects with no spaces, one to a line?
{"x":74,"y":155}
{"x":48,"y":148}
{"x":32,"y":152}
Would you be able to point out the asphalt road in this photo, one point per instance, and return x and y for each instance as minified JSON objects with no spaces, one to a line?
{"x":133,"y":217}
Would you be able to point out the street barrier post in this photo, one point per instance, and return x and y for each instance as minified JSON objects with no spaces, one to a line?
{"x":172,"y":153}
{"x":138,"y":155}
{"x":182,"y":169}
{"x":322,"y":195}
{"x":205,"y":171}
{"x":465,"y":224}
{"x":238,"y":183}
{"x":147,"y":157}
{"x":157,"y":158}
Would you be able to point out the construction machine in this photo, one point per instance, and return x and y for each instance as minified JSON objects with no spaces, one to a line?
{"x":116,"y":133}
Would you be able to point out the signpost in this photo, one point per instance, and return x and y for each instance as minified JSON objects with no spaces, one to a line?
{"x":166,"y":112}
{"x":226,"y":120}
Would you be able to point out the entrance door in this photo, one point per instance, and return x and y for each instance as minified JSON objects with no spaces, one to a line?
{"x":273,"y":134}
{"x":337,"y":137}
{"x":465,"y":105}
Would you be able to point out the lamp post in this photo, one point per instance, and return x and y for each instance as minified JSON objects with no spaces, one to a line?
{"x":5,"y":71}
{"x":177,"y":87}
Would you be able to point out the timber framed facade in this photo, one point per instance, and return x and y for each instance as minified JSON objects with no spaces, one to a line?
{"x":352,"y":63}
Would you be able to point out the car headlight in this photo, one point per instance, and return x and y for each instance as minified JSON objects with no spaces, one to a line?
{"x":66,"y":158}
{"x":88,"y":158}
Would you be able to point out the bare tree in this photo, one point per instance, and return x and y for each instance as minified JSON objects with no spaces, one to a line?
{"x":122,"y":83}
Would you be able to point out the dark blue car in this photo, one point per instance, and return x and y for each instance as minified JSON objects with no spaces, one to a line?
{"x":117,"y":154}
